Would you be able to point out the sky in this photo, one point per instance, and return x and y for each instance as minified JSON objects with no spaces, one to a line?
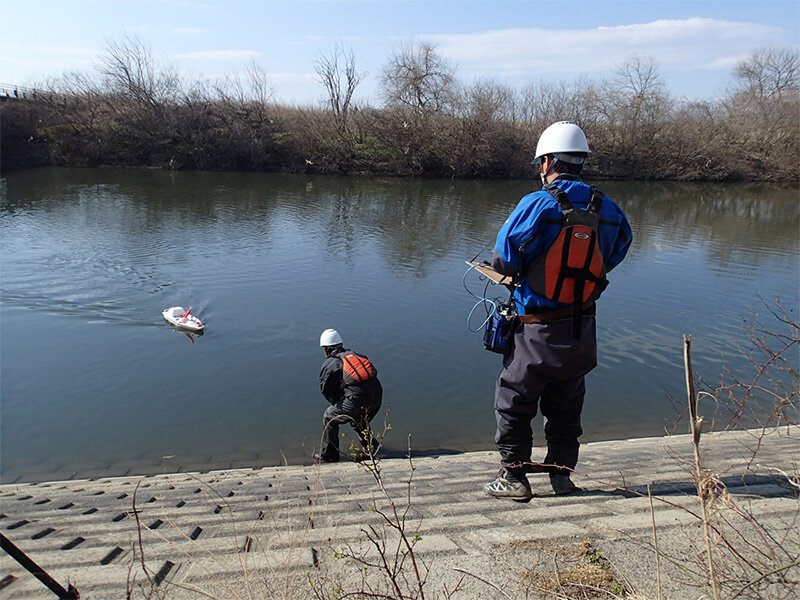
{"x":695,"y":43}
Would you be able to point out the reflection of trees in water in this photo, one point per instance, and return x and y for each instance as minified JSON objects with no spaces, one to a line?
{"x":732,"y":222}
{"x":162,"y":195}
{"x":414,"y":223}
{"x":108,"y":230}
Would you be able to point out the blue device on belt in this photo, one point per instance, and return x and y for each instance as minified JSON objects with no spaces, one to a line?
{"x":498,"y":332}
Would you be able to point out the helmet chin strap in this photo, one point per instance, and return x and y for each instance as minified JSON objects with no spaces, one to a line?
{"x":543,"y":175}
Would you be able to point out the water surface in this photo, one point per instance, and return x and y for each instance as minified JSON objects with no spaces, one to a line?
{"x":92,"y":381}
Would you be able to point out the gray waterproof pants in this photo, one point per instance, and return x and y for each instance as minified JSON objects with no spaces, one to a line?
{"x":356,"y":414}
{"x":544,"y":370}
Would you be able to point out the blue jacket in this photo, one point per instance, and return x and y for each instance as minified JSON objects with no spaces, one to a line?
{"x":536,"y":222}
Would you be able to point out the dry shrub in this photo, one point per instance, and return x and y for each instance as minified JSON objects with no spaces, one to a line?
{"x":573,"y":571}
{"x":136,"y":113}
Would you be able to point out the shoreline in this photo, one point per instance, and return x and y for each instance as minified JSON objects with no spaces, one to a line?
{"x":242,"y":460}
{"x":286,"y":524}
{"x":789,"y":182}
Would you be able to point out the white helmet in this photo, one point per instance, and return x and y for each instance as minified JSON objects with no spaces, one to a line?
{"x":330,"y":337}
{"x":560,"y":138}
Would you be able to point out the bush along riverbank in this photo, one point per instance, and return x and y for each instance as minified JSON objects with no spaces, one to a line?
{"x":133,"y":113}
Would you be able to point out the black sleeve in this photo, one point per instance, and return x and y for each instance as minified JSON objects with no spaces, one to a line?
{"x":499,"y":265}
{"x":330,"y":380}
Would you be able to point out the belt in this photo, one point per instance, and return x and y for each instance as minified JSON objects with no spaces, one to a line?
{"x":556,"y":314}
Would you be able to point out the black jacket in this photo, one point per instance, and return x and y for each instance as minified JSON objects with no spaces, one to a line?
{"x":333,"y":387}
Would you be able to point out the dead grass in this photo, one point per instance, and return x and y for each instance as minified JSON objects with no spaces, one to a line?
{"x":567,"y":570}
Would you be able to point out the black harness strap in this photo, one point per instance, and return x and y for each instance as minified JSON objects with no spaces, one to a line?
{"x":595,"y":202}
{"x":565,"y":269}
{"x":561,"y":197}
{"x":580,"y":283}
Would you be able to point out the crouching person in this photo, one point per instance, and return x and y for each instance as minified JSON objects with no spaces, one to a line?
{"x":349,"y":381}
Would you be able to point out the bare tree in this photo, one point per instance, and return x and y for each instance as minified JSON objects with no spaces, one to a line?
{"x":418,"y":78}
{"x":768,"y":74}
{"x":643,"y":92}
{"x":634,"y":106}
{"x":488,"y":100}
{"x":77,"y":98}
{"x":338,"y":73}
{"x":546,"y":102}
{"x":252,"y":86}
{"x":762,"y":112}
{"x":261,"y":90}
{"x":543,"y":103}
{"x":251,"y":89}
{"x":484,"y":135}
{"x":140,"y":96}
{"x":130,"y":71}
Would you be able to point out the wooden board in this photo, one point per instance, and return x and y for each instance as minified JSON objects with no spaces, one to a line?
{"x":487,"y":271}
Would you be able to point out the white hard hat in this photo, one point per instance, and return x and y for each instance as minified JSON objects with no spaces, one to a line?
{"x":330,"y":337}
{"x":560,"y":138}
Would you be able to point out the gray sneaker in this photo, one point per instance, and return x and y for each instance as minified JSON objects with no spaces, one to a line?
{"x":507,"y":485}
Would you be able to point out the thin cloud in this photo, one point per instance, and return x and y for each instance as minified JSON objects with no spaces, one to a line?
{"x":67,"y":50}
{"x":166,"y":30}
{"x":293,"y":77}
{"x":677,"y":44}
{"x":728,"y":62}
{"x":187,"y":31}
{"x":219,"y":55}
{"x":339,"y":38}
{"x":45,"y":60}
{"x":56,"y":50}
{"x":271,"y":77}
{"x":47,"y":64}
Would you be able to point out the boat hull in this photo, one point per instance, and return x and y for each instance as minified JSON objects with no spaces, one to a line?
{"x":174,"y":316}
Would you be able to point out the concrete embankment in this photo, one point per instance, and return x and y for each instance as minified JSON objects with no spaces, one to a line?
{"x":278,"y":532}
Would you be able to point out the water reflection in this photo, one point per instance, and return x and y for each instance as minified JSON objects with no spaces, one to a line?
{"x":190,"y":336}
{"x":415,"y":222}
{"x":91,"y":257}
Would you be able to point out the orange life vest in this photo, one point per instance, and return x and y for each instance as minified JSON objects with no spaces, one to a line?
{"x":355,"y":368}
{"x":572,"y":270}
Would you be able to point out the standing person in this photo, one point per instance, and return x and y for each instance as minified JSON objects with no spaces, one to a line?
{"x":349,"y":381}
{"x":558,"y":243}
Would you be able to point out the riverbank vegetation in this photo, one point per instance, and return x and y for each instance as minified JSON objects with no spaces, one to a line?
{"x":133,"y":112}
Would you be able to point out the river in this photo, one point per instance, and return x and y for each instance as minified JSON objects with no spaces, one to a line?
{"x":94,"y":383}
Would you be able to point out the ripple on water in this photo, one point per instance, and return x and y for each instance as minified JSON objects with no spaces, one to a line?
{"x":268,"y":261}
